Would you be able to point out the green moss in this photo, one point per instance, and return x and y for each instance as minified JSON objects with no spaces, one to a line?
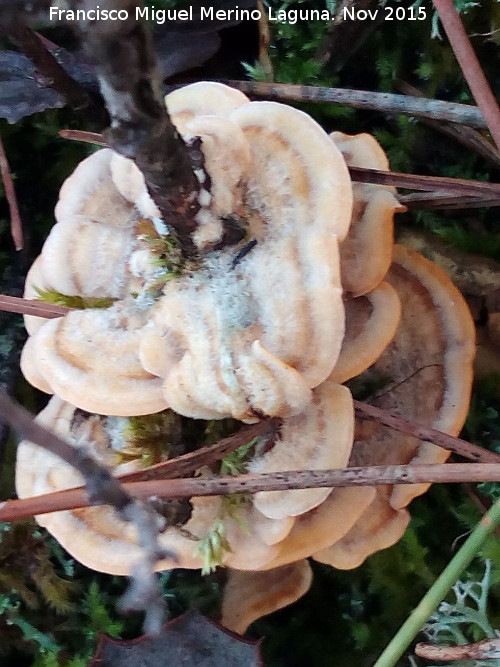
{"x":236,"y":462}
{"x":73,"y":301}
{"x":150,"y":438}
{"x":217,"y":429}
{"x":213,"y":546}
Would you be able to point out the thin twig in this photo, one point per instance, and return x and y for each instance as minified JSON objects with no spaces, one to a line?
{"x":449,"y":442}
{"x":430,"y":602}
{"x":443,"y":201}
{"x":188,"y":463}
{"x":469,"y":64}
{"x":487,"y":649}
{"x":478,"y":193}
{"x":462,"y":186}
{"x":361,"y":99}
{"x":81,"y":135}
{"x":16,"y":225}
{"x":16,"y":304}
{"x":11,"y":510}
{"x":265,"y":42}
{"x":465,"y":135}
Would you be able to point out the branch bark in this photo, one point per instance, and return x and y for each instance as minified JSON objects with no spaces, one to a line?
{"x":140,"y":126}
{"x":475,"y":190}
{"x":461,"y":186}
{"x":11,"y":510}
{"x":16,"y":304}
{"x":449,"y":442}
{"x":16,"y":225}
{"x":465,"y":114}
{"x":488,"y":649}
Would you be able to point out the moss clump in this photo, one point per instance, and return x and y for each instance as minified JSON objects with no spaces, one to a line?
{"x":235,"y":463}
{"x":73,"y":301}
{"x":150,"y":438}
{"x":214,"y":545}
{"x":165,"y":251}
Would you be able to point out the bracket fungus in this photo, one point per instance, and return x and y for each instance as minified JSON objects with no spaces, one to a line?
{"x":272,"y":325}
{"x":218,"y":340}
{"x":366,"y":252}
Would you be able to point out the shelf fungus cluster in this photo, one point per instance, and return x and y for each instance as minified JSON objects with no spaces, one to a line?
{"x":314,"y":302}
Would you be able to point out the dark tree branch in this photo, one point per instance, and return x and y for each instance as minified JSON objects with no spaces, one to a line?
{"x":363,"y":99}
{"x":140,"y":126}
{"x":102,"y":488}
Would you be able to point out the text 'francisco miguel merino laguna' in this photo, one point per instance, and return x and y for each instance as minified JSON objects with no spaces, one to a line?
{"x":161,"y":16}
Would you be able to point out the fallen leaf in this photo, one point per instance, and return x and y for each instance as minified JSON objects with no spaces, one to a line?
{"x":22,"y":93}
{"x":190,"y":640}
